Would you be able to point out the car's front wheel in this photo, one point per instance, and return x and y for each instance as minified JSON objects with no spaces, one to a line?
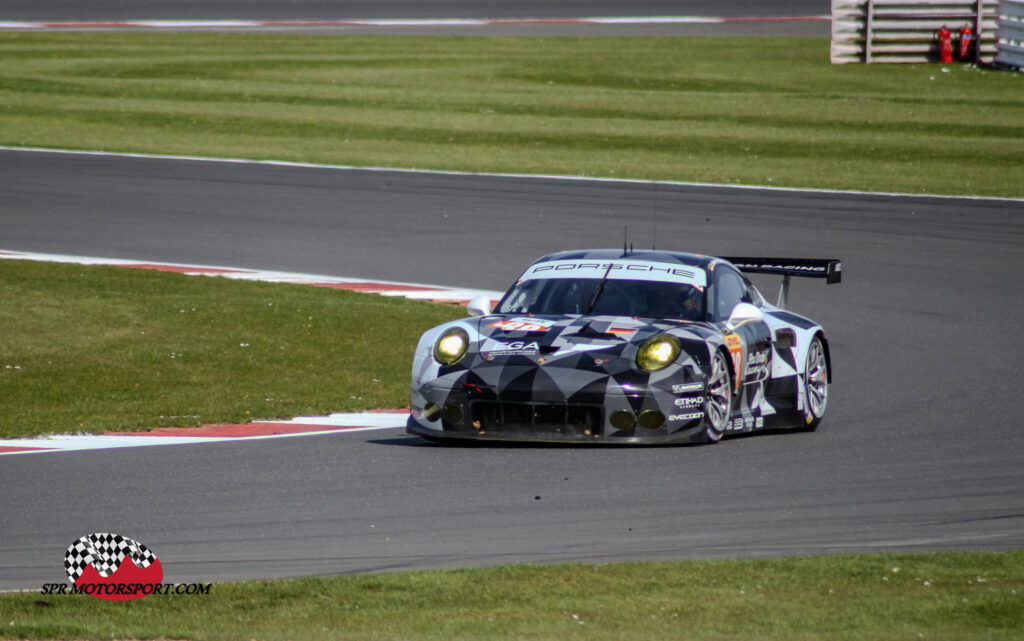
{"x":816,"y":384}
{"x":718,"y":401}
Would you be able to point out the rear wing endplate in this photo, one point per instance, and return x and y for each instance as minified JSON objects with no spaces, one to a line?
{"x":831,"y":269}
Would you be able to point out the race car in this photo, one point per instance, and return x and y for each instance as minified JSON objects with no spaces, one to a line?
{"x":622,"y":346}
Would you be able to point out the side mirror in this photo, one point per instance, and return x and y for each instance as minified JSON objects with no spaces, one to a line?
{"x":743,"y":314}
{"x":479,"y":306}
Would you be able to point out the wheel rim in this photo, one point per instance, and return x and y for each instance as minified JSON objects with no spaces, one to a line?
{"x":719,"y":395}
{"x":817,"y":379}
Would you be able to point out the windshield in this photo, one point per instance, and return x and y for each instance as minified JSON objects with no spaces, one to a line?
{"x":612,"y":297}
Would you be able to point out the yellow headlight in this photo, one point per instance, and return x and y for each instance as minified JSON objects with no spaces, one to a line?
{"x":658,"y":353}
{"x":451,"y":346}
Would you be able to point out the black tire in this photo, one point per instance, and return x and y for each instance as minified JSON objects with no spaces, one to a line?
{"x":815,"y":384}
{"x":718,"y":399}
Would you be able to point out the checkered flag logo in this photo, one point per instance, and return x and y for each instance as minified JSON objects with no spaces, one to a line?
{"x":104,"y":552}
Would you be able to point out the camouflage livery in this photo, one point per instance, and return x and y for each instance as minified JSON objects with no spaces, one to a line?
{"x":732,"y":362}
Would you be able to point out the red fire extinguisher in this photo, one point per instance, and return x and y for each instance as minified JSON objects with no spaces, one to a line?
{"x":945,"y":40}
{"x":966,"y":43}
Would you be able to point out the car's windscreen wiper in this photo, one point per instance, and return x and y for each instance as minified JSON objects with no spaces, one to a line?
{"x":600,"y":288}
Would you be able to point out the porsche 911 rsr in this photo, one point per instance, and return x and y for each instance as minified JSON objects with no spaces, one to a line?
{"x":610,"y":346}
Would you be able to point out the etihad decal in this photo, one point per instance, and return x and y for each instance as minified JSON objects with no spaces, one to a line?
{"x":523,"y":325}
{"x":689,"y":402}
{"x":618,"y":270}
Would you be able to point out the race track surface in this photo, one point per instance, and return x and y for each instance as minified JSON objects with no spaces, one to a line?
{"x":922,"y":448}
{"x":747,"y":17}
{"x":395,"y":9}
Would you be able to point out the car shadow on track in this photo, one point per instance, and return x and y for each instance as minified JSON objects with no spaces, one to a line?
{"x":416,"y":441}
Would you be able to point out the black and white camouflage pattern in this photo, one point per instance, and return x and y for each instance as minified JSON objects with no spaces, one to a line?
{"x":560,"y":378}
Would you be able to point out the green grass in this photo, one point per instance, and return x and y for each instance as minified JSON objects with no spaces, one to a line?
{"x":940,"y":597}
{"x":724,"y":110}
{"x":95,"y":349}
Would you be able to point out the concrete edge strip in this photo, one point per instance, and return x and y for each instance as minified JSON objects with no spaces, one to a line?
{"x":436,"y":22}
{"x":261,"y":430}
{"x":414,"y":291}
{"x":440,"y":172}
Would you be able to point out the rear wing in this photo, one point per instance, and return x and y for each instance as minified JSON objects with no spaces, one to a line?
{"x":831,"y":269}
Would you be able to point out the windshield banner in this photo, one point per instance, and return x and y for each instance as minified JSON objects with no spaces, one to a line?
{"x":617,"y":270}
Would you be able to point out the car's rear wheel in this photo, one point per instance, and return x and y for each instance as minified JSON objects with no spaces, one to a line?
{"x":816,"y":384}
{"x":718,"y":401}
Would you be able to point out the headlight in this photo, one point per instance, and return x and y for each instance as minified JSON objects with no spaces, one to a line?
{"x":658,"y":353}
{"x":451,"y":346}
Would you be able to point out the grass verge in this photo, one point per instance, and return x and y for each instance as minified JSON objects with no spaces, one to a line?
{"x":954,"y":596}
{"x":95,"y":349}
{"x":724,"y":110}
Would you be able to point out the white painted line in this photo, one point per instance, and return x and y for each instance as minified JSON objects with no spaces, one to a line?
{"x":663,"y":20}
{"x":71,"y":443}
{"x":414,"y":291}
{"x":625,"y":181}
{"x":368,"y":420}
{"x":343,"y":422}
{"x":428,"y":22}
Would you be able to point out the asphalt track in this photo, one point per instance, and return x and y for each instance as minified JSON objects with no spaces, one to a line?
{"x":395,"y":9}
{"x":922,"y":448}
{"x":746,"y":17}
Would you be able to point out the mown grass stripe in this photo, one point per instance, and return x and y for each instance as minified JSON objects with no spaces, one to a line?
{"x":761,"y":111}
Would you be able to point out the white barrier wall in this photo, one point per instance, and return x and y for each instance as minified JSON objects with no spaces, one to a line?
{"x":904,"y":30}
{"x":1010,"y":44}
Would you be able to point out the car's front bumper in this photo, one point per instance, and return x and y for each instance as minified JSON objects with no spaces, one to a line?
{"x":615,"y":415}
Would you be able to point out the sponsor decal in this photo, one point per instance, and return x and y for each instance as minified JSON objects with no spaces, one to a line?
{"x":757,"y":373}
{"x":811,"y":269}
{"x":617,"y":270}
{"x":735,"y":345}
{"x":115,"y":568}
{"x":757,"y":366}
{"x":687,"y":387}
{"x":580,"y":347}
{"x":515,"y":348}
{"x":692,"y":416}
{"x":746,"y":423}
{"x":690,"y":402}
{"x":523,"y":325}
{"x":621,"y":331}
